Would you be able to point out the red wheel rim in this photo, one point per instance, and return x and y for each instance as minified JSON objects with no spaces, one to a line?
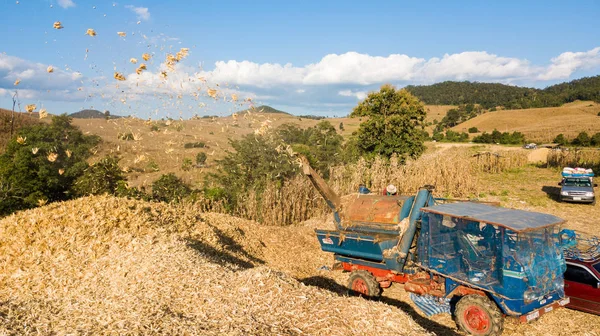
{"x":476,"y":320}
{"x":360,"y":286}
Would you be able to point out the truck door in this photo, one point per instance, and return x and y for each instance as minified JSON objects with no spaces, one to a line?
{"x":581,"y":285}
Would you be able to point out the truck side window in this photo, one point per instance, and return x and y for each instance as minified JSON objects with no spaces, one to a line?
{"x":580,"y":275}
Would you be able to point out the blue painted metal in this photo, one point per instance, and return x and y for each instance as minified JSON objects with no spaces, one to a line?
{"x":422,"y":199}
{"x":516,"y":220}
{"x":522,"y":271}
{"x":354,"y":244}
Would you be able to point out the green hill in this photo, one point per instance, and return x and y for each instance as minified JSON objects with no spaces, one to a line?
{"x":490,"y":95}
{"x":91,"y":114}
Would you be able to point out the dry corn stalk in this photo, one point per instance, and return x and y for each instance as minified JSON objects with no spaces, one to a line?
{"x":21,"y":140}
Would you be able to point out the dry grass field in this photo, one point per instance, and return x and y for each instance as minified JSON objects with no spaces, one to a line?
{"x":540,"y":124}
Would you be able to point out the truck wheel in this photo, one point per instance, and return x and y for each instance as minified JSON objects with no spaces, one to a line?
{"x":477,"y":315}
{"x":363,"y":283}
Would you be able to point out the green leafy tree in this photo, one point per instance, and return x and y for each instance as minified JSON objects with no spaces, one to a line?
{"x":473,"y":130}
{"x":41,"y":164}
{"x":255,"y":159}
{"x":170,"y":188}
{"x":582,"y":139}
{"x":341,"y":126}
{"x":561,"y":140}
{"x":102,"y":177}
{"x":595,"y":141}
{"x":394,"y":124}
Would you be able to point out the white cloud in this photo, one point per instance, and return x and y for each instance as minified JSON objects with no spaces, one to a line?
{"x":362,"y":69}
{"x":568,"y":62}
{"x":142,"y":12}
{"x":360,"y":95}
{"x":66,"y":3}
{"x":34,"y":75}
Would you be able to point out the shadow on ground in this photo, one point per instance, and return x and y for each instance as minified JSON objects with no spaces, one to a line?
{"x":424,"y":322}
{"x":232,"y":254}
{"x":552,"y":192}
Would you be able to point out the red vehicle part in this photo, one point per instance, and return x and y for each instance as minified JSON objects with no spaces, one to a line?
{"x":582,"y":285}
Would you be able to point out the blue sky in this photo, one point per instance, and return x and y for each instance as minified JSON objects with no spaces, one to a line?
{"x":310,"y":57}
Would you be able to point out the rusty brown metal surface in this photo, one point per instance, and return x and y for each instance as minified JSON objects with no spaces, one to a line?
{"x":374,"y":209}
{"x":332,"y":199}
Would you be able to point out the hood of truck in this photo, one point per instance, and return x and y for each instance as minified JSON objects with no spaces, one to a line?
{"x":583,"y":189}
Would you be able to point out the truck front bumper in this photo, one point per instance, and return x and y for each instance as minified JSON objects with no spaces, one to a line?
{"x":580,"y":199}
{"x":543,"y":310}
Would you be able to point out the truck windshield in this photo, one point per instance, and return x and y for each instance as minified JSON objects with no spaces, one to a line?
{"x":577,"y":182}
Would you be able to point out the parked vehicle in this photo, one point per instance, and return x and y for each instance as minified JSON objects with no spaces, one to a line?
{"x":490,"y":262}
{"x":582,"y":277}
{"x":577,"y":185}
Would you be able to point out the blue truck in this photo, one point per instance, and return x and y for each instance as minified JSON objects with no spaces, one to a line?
{"x":479,"y":261}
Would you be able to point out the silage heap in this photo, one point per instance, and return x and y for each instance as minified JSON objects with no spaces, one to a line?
{"x":103,"y":265}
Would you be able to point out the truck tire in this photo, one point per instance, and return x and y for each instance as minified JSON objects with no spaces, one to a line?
{"x":477,"y":315}
{"x":363,"y":283}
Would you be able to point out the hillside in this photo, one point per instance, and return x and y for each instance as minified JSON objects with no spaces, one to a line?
{"x":490,"y":95}
{"x":540,"y":124}
{"x":91,"y":114}
{"x":262,"y":109}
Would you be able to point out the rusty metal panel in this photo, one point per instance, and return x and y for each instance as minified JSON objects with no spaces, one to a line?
{"x":374,"y":209}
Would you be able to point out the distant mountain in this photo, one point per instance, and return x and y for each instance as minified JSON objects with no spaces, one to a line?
{"x":490,"y":95}
{"x":91,"y":114}
{"x":263,"y":109}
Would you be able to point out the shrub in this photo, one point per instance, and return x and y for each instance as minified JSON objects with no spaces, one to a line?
{"x":473,"y":130}
{"x":154,"y":128}
{"x":186,"y":165}
{"x":341,"y":126}
{"x":199,"y":144}
{"x":152,"y":166}
{"x":201,"y":158}
{"x":170,"y":188}
{"x":100,"y":178}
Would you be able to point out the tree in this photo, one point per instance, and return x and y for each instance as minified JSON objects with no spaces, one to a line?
{"x":104,"y":176}
{"x":394,"y":124}
{"x":341,"y":126}
{"x":560,"y":139}
{"x":170,"y":188}
{"x":473,"y":130}
{"x":596,"y":139}
{"x":582,"y":139}
{"x":41,"y":164}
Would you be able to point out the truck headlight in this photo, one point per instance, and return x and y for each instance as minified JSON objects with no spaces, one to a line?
{"x":564,"y":193}
{"x":589,"y":194}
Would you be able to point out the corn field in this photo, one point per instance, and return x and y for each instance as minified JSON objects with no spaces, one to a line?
{"x":586,"y":158}
{"x":454,"y":173}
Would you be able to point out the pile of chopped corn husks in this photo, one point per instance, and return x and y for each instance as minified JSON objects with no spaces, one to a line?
{"x":103,"y":265}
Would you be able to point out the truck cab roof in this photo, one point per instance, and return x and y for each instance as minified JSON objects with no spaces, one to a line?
{"x":513,"y":219}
